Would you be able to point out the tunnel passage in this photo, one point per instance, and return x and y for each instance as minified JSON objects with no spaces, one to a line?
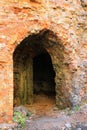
{"x":43,"y":74}
{"x":33,"y":71}
{"x":39,"y":68}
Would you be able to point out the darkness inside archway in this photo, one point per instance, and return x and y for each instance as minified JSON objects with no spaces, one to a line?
{"x":43,"y":74}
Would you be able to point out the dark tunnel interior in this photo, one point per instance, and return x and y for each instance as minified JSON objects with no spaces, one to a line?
{"x":43,"y":74}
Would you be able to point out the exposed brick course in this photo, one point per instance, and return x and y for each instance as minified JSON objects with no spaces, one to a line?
{"x":67,"y":21}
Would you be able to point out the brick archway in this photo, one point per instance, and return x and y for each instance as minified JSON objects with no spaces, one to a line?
{"x":29,"y":48}
{"x":64,"y":69}
{"x":67,"y":48}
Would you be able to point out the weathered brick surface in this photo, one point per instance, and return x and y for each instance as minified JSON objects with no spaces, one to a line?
{"x":67,"y":20}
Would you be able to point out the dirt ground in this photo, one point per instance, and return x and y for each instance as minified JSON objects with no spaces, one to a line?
{"x":46,"y":115}
{"x":43,"y":105}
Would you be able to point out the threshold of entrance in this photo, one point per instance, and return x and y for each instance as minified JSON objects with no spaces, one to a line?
{"x":42,"y":105}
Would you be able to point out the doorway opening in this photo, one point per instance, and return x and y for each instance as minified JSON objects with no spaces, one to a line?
{"x":34,"y":76}
{"x":43,"y":83}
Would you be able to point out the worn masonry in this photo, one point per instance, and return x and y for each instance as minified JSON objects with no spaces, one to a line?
{"x":34,"y":34}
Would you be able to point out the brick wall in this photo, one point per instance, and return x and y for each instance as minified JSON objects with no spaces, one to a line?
{"x":67,"y":20}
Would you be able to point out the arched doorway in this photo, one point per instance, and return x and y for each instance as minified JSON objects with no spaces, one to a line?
{"x":33,"y":71}
{"x":39,"y":68}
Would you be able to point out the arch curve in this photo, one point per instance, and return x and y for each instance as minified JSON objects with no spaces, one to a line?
{"x":25,"y":52}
